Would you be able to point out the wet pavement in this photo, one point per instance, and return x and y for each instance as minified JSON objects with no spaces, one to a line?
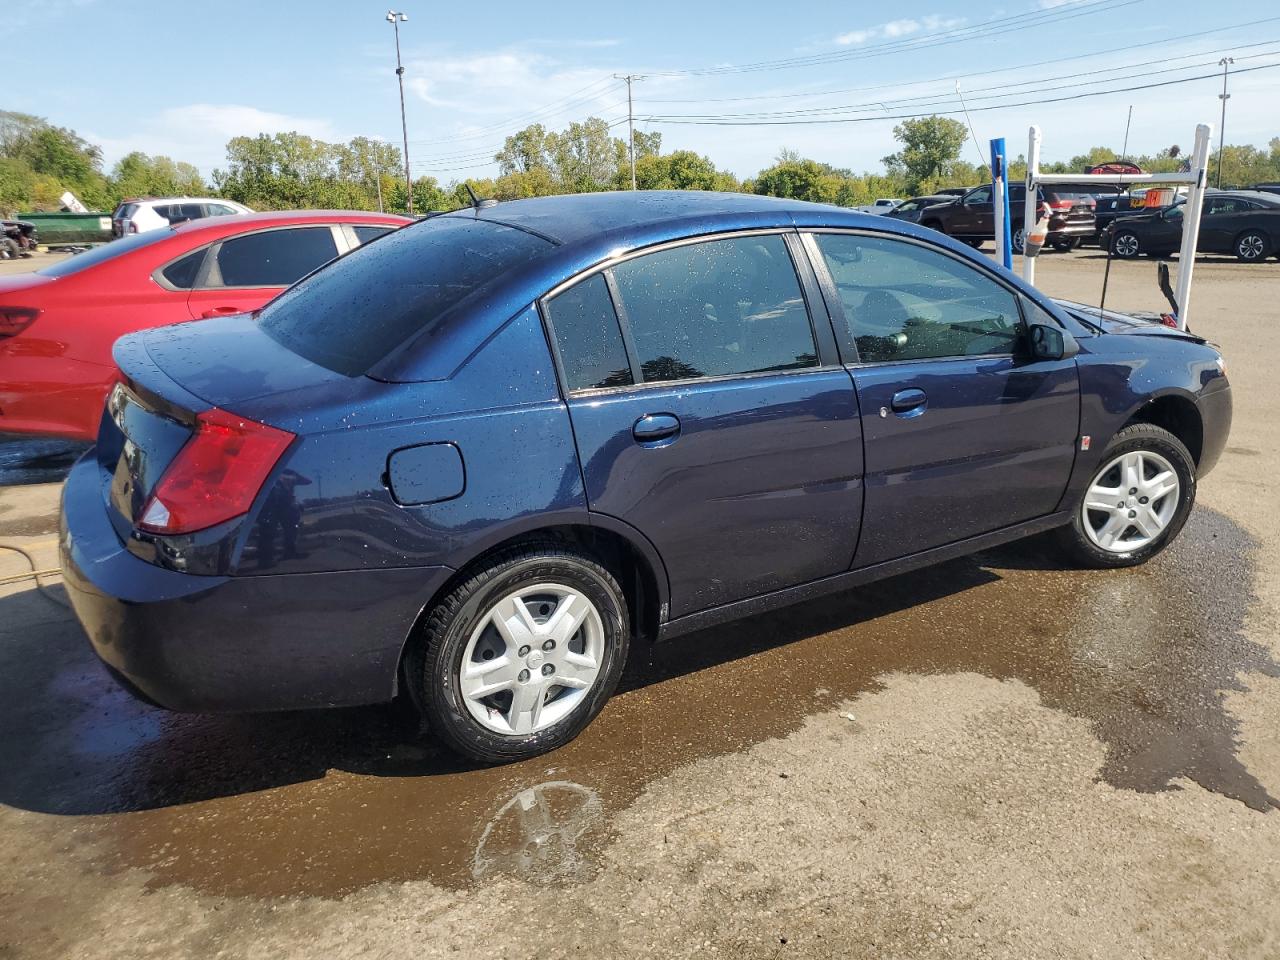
{"x":323,"y":804}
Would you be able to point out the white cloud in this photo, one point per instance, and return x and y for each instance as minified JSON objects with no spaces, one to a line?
{"x":198,"y":132}
{"x":896,"y":29}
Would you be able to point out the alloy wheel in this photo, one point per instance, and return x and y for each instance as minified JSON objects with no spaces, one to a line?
{"x":1251,"y":247}
{"x":532,"y":659}
{"x":1130,"y":501}
{"x":1126,"y":245}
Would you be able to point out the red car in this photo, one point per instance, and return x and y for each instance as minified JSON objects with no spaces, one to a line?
{"x":57,"y":325}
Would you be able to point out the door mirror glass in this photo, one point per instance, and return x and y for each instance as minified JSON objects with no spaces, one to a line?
{"x":1051,"y":343}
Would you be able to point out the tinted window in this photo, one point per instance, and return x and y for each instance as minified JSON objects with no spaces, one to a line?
{"x":908,"y":206}
{"x":274,"y":258}
{"x":981,"y":195}
{"x":219,"y":210}
{"x":588,"y":338}
{"x":165,"y":211}
{"x":182,"y":273}
{"x":358,"y":309}
{"x":365,"y":233}
{"x":716,"y":308}
{"x":903,"y":301}
{"x":107,"y":251}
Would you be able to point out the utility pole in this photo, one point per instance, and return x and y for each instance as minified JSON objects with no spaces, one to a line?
{"x":1124,"y":151}
{"x":1225,"y":64}
{"x":631,"y":118}
{"x":395,"y":19}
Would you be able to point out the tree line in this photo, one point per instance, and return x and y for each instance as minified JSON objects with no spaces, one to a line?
{"x":283,"y":171}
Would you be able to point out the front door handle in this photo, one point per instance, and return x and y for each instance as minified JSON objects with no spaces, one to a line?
{"x":909,"y":403}
{"x":656,"y":428}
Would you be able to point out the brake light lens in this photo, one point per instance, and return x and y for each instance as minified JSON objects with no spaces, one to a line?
{"x":216,"y":475}
{"x":13,"y":320}
{"x":1061,"y":204}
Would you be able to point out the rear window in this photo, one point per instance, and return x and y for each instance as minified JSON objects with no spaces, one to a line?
{"x":103,"y":253}
{"x":358,"y":309}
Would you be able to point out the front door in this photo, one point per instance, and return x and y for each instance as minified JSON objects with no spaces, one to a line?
{"x":709,"y":421}
{"x":975,"y":215}
{"x":963,"y":433}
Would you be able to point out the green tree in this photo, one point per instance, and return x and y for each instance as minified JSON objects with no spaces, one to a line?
{"x":138,"y":175}
{"x":930,"y":148}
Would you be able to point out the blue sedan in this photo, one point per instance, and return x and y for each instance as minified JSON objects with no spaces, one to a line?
{"x":474,"y":461}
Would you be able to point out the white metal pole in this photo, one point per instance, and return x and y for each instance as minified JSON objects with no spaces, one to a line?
{"x":1029,"y":204}
{"x":1191,"y":222}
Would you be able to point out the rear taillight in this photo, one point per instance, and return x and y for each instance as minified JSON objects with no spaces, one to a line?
{"x":13,"y":320}
{"x":216,"y":475}
{"x":1061,"y":204}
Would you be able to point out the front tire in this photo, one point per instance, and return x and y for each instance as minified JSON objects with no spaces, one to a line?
{"x":1137,"y":501}
{"x":522,"y":655}
{"x":1126,"y":245}
{"x":1252,"y":246}
{"x":1065,"y":244}
{"x":1018,"y":240}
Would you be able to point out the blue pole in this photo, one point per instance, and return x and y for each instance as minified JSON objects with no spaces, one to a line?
{"x":1000,"y":195}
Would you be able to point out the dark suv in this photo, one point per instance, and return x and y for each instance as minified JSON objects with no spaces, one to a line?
{"x":971,"y":218}
{"x":477,"y":459}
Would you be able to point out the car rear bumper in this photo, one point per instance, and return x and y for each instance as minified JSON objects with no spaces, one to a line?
{"x":229,"y":644}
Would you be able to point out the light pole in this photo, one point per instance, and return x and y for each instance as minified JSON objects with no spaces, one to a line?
{"x":1225,"y":64}
{"x":395,"y":19}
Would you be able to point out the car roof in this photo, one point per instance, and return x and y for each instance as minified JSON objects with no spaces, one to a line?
{"x":1269,"y":199}
{"x":248,"y":221}
{"x":569,"y":219}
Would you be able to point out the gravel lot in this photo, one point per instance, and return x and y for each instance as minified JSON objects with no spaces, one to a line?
{"x":994,"y":758}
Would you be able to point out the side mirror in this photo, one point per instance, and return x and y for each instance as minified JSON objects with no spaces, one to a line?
{"x":1051,"y":343}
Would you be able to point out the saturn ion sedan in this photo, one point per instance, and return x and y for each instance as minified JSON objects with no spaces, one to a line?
{"x":477,"y":460}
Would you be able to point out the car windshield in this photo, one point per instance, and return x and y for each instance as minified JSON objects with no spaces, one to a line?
{"x":102,"y":253}
{"x":352,"y":313}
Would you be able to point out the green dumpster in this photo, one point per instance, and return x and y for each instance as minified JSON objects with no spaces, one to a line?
{"x":58,"y":228}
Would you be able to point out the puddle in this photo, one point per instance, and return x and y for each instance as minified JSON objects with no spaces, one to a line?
{"x":325,"y":803}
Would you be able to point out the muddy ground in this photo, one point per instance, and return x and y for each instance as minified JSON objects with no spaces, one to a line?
{"x":998,"y":757}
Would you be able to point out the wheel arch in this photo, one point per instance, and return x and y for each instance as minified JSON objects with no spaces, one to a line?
{"x":618,"y":546}
{"x":1176,"y":412}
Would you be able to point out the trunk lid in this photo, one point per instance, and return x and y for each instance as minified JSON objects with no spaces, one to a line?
{"x":1141,"y":324}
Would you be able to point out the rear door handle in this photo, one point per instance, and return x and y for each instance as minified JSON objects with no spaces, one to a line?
{"x":909,"y":403}
{"x":220,"y":312}
{"x":654,"y":428}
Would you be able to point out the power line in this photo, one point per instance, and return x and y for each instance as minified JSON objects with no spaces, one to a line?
{"x":983,"y":29}
{"x":907,"y":116}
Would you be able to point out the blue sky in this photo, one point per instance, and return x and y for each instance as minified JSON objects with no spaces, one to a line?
{"x":180,"y":79}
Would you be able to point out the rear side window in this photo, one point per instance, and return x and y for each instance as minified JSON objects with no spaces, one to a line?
{"x":365,"y":232}
{"x":904,"y":301}
{"x":588,"y":338}
{"x":219,"y":210}
{"x":358,"y":309}
{"x":274,"y":258}
{"x":717,"y":308}
{"x":182,"y":273}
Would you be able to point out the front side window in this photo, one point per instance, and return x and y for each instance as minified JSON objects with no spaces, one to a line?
{"x":716,"y":308}
{"x":979,"y":196}
{"x":904,"y":301}
{"x":274,"y":258}
{"x":588,"y":339}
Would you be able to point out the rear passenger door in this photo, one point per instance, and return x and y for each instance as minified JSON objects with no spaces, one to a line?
{"x":712,"y":415}
{"x":964,"y":432}
{"x":242,"y":273}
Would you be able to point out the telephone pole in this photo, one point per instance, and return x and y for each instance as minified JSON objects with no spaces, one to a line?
{"x":631,"y":129}
{"x":1225,"y":63}
{"x":395,"y":19}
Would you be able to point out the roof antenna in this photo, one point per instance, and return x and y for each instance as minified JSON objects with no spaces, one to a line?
{"x":477,"y":202}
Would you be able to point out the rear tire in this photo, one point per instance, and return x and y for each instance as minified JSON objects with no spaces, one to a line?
{"x":1065,"y":244}
{"x":1018,"y":240}
{"x":484,"y":667}
{"x":1123,"y":519}
{"x":1252,"y":246}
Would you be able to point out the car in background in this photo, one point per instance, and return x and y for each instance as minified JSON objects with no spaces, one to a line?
{"x":884,"y":205}
{"x":478,"y":460}
{"x":911,"y":210}
{"x":141,"y":215}
{"x":1110,"y":206}
{"x":952,"y":191}
{"x":57,"y":324}
{"x":971,"y":218}
{"x":1272,"y":187}
{"x":1241,"y":222}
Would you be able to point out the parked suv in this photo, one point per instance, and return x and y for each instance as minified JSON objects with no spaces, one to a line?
{"x":475,"y":461}
{"x":971,"y":218}
{"x":139,"y":216}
